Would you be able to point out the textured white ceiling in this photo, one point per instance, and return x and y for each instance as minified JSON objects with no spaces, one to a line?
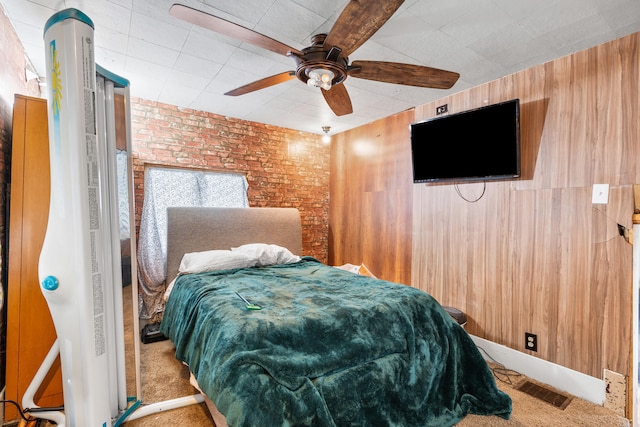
{"x":173,"y":62}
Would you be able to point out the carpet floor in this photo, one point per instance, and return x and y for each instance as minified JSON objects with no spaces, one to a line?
{"x":163,"y":377}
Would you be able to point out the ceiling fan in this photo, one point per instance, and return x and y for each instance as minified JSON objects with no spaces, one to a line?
{"x":325,"y":64}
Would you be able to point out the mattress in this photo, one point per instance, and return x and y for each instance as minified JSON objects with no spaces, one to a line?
{"x":326,"y":348}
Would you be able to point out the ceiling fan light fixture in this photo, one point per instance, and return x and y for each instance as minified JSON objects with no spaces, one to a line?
{"x":320,"y":77}
{"x":325,"y":64}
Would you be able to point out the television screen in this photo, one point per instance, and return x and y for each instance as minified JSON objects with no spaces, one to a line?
{"x":480,"y":144}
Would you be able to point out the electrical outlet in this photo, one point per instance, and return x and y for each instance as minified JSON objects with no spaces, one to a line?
{"x":442,"y":109}
{"x":531,"y":341}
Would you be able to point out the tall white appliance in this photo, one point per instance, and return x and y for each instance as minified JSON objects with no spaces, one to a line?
{"x":80,"y":266}
{"x":80,"y":262}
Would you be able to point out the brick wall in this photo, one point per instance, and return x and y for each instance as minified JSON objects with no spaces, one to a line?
{"x":284,"y":167}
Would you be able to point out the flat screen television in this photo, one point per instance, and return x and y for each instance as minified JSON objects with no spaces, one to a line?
{"x":477,"y":145}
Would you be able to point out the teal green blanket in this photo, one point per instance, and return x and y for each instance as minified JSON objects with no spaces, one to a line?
{"x":328,"y":348}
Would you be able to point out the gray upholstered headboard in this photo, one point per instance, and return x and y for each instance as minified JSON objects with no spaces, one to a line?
{"x":200,"y":229}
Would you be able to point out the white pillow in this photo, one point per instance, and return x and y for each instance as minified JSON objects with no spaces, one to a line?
{"x":213,"y":260}
{"x":200,"y":262}
{"x":265,"y":254}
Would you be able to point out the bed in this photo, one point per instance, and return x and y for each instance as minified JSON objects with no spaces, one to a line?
{"x":327,"y":347}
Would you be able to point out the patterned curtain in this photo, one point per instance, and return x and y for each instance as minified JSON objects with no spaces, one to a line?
{"x":164,"y":187}
{"x":123,"y":194}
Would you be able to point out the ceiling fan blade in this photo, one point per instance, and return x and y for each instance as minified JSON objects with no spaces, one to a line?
{"x":338,"y":99}
{"x":263,"y":83}
{"x":359,"y":20}
{"x":230,"y":29}
{"x":403,"y":74}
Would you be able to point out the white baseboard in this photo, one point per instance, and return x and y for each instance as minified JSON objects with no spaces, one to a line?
{"x":564,"y":379}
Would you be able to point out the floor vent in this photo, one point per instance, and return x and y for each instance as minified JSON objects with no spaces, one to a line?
{"x":556,"y":399}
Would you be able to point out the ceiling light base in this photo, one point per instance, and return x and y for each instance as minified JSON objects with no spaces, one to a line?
{"x":317,"y":61}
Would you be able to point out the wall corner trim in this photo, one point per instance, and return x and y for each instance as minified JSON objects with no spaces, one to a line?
{"x":576,"y":383}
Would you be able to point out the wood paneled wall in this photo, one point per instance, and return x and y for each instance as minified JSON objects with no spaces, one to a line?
{"x":370,"y":198}
{"x":533,"y":254}
{"x":12,"y":78}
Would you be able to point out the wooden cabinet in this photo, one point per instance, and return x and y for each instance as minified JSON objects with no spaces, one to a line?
{"x":30,"y":330}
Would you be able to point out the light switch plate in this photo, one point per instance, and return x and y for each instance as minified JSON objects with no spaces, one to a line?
{"x":600,"y":194}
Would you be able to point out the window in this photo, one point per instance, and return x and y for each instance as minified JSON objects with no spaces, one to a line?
{"x":165,"y":187}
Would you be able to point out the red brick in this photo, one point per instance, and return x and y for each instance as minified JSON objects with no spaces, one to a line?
{"x":174,"y":136}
